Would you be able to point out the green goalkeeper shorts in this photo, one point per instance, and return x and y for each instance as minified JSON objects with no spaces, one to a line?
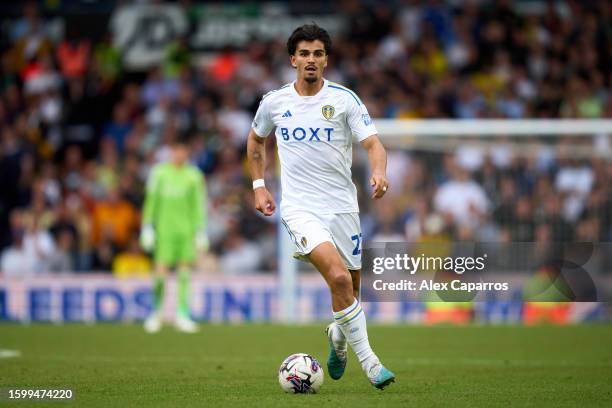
{"x":170,"y":251}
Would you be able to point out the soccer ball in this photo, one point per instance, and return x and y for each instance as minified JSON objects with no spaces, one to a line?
{"x":300,"y":374}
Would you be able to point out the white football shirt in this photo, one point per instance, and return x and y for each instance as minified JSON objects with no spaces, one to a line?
{"x":314,"y":135}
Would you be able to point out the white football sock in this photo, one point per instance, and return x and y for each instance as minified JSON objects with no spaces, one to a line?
{"x":352,"y":323}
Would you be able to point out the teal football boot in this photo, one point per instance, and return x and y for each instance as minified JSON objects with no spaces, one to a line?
{"x":383,"y":378}
{"x":336,"y":361}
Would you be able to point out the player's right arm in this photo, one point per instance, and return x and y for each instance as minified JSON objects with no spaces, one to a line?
{"x":256,"y":155}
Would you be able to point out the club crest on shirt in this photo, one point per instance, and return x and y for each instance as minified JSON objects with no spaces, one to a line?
{"x":328,"y":111}
{"x":304,"y":241}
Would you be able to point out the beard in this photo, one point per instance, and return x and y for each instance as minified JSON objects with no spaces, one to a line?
{"x":311,"y":80}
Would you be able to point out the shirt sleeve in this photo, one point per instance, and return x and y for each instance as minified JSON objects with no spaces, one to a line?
{"x":262,"y":123}
{"x":200,"y":202}
{"x":359,"y":120}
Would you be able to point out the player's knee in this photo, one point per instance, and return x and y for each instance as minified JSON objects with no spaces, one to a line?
{"x":340,"y":281}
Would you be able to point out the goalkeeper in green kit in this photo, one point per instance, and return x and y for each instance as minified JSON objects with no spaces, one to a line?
{"x":174,"y":228}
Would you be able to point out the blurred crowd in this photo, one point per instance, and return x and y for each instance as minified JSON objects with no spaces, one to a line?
{"x":79,"y":133}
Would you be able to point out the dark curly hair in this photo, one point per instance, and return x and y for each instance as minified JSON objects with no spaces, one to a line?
{"x":308,"y":32}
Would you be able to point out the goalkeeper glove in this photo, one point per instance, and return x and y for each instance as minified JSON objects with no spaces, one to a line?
{"x":201,"y":241}
{"x":147,"y":237}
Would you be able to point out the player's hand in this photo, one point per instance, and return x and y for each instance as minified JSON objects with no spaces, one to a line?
{"x":201,"y":241}
{"x":380,"y":184}
{"x":264,"y":203}
{"x":147,"y":237}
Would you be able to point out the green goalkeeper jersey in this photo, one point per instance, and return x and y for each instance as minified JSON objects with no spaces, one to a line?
{"x":175,"y":202}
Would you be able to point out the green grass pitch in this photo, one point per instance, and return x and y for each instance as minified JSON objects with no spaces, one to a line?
{"x":236,"y":365}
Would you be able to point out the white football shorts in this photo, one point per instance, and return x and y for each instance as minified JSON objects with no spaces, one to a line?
{"x":307,"y":230}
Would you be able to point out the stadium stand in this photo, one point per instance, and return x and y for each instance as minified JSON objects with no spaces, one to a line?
{"x":79,"y":133}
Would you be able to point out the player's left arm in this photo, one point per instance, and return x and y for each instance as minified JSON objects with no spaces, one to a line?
{"x":377,"y":156}
{"x":363,"y":129}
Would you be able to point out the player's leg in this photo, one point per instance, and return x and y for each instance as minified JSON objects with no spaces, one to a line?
{"x":183,"y":277}
{"x":186,"y":256}
{"x":346,"y":233}
{"x":356,"y":280}
{"x":348,"y":314}
{"x":313,"y":238}
{"x":183,"y":320}
{"x":326,"y":259}
{"x":153,"y":323}
{"x":337,"y":358}
{"x":308,"y":232}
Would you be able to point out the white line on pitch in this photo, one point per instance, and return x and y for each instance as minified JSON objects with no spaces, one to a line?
{"x":4,"y":353}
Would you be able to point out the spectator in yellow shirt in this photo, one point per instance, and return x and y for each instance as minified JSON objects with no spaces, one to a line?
{"x":132,"y":262}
